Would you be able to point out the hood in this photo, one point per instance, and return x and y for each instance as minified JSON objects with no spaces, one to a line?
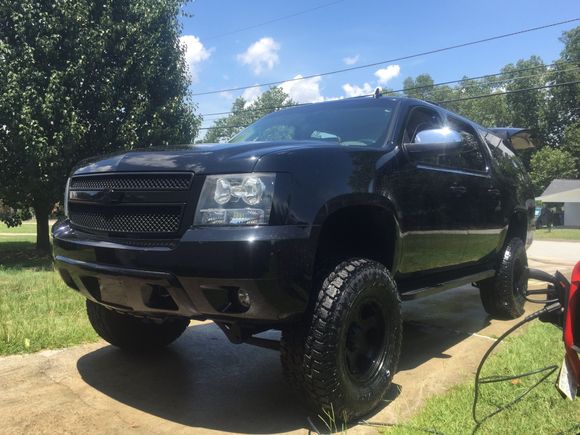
{"x":199,"y":158}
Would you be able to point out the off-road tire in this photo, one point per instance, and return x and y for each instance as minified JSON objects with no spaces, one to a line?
{"x":503,"y":296}
{"x":133,"y":333}
{"x":314,"y":354}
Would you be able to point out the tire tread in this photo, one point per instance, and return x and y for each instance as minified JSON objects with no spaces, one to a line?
{"x":130,"y":332}
{"x":306,"y":349}
{"x":497,"y":293}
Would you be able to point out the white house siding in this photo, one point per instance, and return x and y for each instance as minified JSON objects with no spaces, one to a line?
{"x":572,"y":214}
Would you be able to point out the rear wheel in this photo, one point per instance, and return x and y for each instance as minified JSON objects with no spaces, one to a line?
{"x":133,"y":333}
{"x":344,"y":358}
{"x":503,"y":296}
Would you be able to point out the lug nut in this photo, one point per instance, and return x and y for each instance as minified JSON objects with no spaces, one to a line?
{"x":244,"y":298}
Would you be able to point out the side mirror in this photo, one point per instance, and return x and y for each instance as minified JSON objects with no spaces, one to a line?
{"x":435,"y":141}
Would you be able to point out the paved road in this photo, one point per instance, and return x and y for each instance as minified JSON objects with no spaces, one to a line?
{"x":203,"y":384}
{"x":560,"y":252}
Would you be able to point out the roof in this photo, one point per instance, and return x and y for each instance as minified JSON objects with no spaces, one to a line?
{"x":561,"y":191}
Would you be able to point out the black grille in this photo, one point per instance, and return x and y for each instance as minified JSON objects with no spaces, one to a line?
{"x":171,"y":244}
{"x":132,"y":182}
{"x":127,"y":219}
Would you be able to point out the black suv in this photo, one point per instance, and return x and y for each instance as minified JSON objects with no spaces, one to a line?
{"x":316,"y":220}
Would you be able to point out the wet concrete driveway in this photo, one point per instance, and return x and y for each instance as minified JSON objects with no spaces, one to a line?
{"x":202,"y":383}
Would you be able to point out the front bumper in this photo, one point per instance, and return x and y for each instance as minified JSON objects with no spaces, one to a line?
{"x":197,"y":276}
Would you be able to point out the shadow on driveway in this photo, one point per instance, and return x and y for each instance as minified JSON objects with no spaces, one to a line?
{"x":204,"y":381}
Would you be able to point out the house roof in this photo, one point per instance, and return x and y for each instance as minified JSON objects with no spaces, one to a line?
{"x":561,"y":191}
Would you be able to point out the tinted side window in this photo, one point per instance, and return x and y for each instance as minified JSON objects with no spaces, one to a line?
{"x":420,"y":118}
{"x":468,"y":156}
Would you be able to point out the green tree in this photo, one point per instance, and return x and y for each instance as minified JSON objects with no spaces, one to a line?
{"x":548,"y":164}
{"x":243,"y":114}
{"x":526,"y":109}
{"x":422,"y":87}
{"x":486,"y":111}
{"x":571,"y":142}
{"x":79,"y":78}
{"x":489,"y":111}
{"x":564,"y":102}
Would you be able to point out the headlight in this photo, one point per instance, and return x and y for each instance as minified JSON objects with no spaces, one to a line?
{"x":66,"y":193}
{"x":236,"y":199}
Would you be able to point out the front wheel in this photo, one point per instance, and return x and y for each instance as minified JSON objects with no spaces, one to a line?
{"x":503,"y":296}
{"x":133,"y":333}
{"x":344,"y":358}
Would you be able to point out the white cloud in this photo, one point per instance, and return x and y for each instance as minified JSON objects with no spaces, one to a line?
{"x":383,"y":75}
{"x":357,"y":91}
{"x":261,"y":56}
{"x":351,"y":60}
{"x":195,"y":54}
{"x":251,"y":95}
{"x":227,"y":95}
{"x":303,"y":91}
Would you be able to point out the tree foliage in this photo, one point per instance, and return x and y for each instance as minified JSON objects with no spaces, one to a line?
{"x":551,"y":113}
{"x":563,"y":109}
{"x":571,"y":142}
{"x":80,"y":78}
{"x":548,"y":164}
{"x":245,"y":113}
{"x":526,"y":109}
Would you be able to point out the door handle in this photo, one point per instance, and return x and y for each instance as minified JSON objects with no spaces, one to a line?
{"x":459,"y":190}
{"x":494,"y":192}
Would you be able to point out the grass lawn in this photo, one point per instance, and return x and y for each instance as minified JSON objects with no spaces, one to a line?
{"x":26,"y":227}
{"x":557,"y":234}
{"x":543,"y":411}
{"x":37,"y":310}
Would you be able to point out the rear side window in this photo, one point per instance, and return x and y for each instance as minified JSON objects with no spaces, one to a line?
{"x":492,"y":141}
{"x":507,"y":160}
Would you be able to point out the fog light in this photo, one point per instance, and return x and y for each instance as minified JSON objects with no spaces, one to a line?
{"x":244,"y":298}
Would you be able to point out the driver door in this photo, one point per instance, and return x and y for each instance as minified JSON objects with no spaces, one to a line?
{"x":432,"y":199}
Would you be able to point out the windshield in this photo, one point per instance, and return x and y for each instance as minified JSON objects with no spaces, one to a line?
{"x":360,"y":123}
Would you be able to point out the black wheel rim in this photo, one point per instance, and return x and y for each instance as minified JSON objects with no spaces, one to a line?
{"x":520,"y":279}
{"x":366,"y":340}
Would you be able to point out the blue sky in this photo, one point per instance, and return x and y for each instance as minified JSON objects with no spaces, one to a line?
{"x":355,"y":32}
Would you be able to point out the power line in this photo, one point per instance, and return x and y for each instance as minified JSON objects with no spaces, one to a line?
{"x":411,"y":56}
{"x":475,"y":97}
{"x":468,"y":79}
{"x":515,"y":91}
{"x":273,"y":20}
{"x":496,"y":82}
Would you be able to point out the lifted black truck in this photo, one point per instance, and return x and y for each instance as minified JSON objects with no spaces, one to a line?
{"x":317,"y":221}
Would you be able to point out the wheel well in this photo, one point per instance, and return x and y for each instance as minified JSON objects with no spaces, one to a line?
{"x":357,"y":231}
{"x":518,"y":227}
